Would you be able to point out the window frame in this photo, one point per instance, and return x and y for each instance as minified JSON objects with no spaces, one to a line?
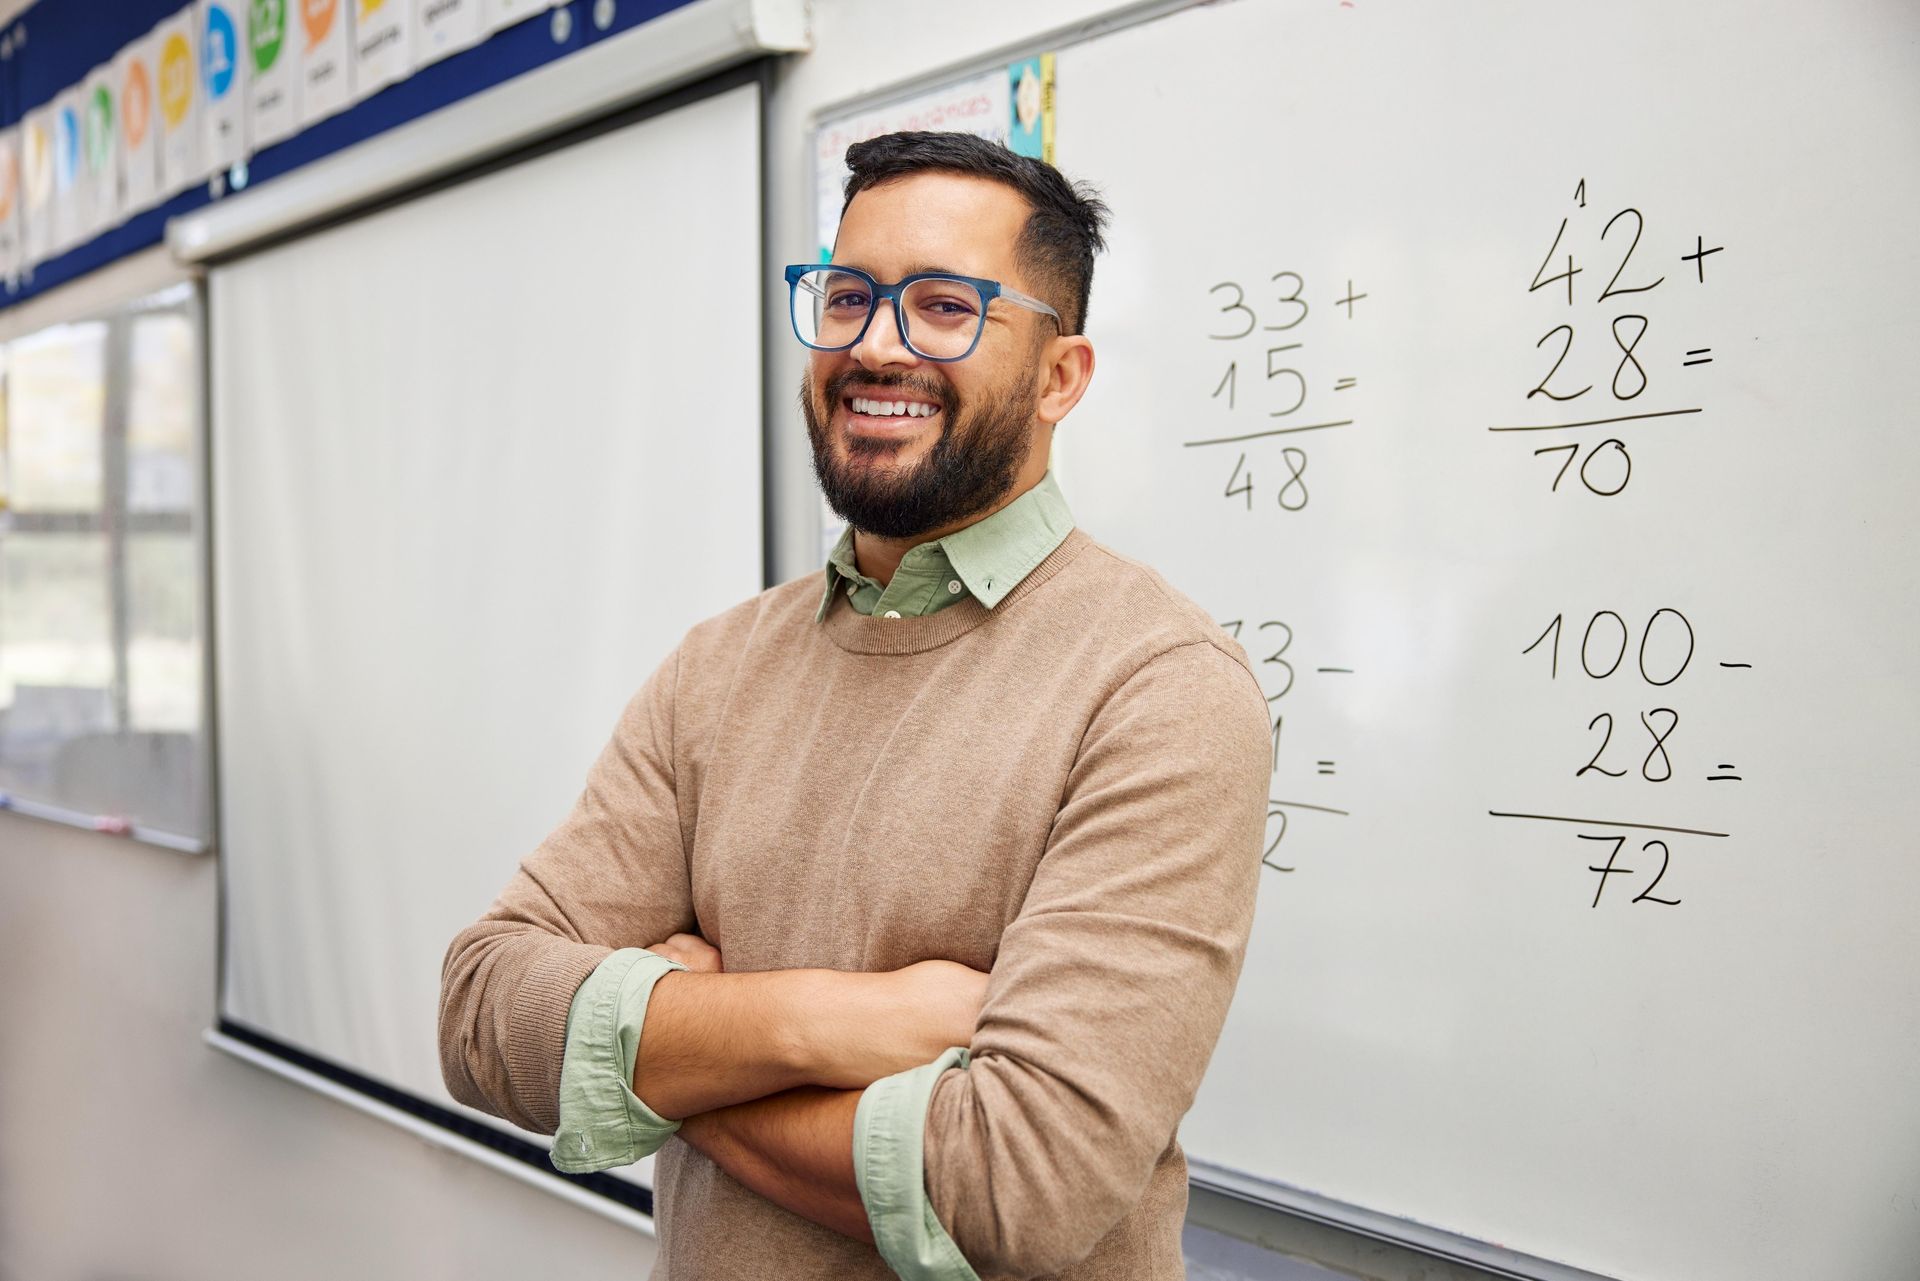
{"x":119,"y":523}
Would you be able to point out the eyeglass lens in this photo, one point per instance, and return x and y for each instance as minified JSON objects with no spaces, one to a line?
{"x":942,"y":316}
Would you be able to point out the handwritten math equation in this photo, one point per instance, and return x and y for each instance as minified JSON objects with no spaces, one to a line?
{"x":1269,"y":643}
{"x":1613,"y":360}
{"x":1260,"y":330}
{"x":1637,"y":667}
{"x":1606,"y":353}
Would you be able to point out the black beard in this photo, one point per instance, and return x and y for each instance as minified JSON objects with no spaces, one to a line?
{"x":969,"y":469}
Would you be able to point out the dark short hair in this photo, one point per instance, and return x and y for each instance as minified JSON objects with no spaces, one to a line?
{"x":1064,"y":219}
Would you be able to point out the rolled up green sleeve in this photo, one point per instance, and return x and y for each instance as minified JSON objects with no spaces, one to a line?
{"x":603,"y":1123}
{"x":889,"y":1168}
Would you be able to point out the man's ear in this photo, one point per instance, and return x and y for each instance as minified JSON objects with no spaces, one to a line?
{"x":1066,"y":370}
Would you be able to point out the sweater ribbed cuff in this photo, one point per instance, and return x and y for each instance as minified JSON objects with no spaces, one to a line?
{"x":538,"y":1018}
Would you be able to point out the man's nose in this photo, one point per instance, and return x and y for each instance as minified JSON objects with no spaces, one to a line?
{"x":880,"y":346}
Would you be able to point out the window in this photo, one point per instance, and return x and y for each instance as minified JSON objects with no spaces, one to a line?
{"x":101,"y":670}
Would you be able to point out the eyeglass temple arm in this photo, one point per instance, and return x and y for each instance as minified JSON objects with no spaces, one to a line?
{"x":1027,"y":301}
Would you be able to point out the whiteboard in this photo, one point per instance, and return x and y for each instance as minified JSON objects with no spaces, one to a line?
{"x":1702,"y":1068}
{"x":1319,"y":335}
{"x":479,"y":461}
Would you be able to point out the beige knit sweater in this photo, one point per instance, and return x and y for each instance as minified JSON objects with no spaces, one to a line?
{"x":1067,"y":790}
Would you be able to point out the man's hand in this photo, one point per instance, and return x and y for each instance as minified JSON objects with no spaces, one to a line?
{"x":874,"y":1025}
{"x":691,"y":951}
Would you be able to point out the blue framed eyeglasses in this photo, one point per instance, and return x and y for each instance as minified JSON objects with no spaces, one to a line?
{"x":940,"y":317}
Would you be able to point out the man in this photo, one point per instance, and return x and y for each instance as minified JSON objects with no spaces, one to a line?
{"x":947,"y":857}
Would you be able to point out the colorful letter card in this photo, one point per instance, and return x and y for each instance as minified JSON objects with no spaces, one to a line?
{"x":139,"y":126}
{"x":382,"y":44}
{"x":223,"y":91}
{"x":271,"y":114}
{"x":182,"y":156}
{"x":326,"y":73}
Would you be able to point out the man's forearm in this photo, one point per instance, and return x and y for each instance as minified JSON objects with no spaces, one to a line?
{"x":795,"y":1149}
{"x":711,"y":1040}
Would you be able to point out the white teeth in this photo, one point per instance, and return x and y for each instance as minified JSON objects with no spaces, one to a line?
{"x":892,"y":408}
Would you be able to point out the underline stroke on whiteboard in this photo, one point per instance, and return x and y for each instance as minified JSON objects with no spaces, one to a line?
{"x":1606,"y":822}
{"x":1272,"y":431}
{"x":1597,"y":422}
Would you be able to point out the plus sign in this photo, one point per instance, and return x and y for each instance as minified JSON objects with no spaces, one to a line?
{"x":1349,"y":300}
{"x":1699,"y":257}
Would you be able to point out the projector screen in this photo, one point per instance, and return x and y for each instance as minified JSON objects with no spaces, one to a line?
{"x":479,"y":460}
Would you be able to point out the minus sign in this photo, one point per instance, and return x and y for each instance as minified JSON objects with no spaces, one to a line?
{"x":1736,"y":664}
{"x":1347,"y":670}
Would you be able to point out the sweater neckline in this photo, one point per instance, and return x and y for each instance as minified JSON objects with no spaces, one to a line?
{"x":859,"y":633}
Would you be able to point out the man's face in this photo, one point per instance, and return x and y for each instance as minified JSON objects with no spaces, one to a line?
{"x":902,"y":476}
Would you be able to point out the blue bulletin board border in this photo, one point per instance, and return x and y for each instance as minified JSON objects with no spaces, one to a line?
{"x":53,"y":45}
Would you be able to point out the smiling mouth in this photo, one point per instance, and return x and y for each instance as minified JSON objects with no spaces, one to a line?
{"x":874,"y":414}
{"x":870,"y":407}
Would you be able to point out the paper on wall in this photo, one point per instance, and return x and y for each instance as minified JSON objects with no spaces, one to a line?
{"x":9,"y":211}
{"x":441,"y":27}
{"x":36,"y":186}
{"x":67,"y":172}
{"x":382,"y":44}
{"x":183,"y":161}
{"x":223,"y":79}
{"x":99,"y":154}
{"x":271,"y":63}
{"x":139,"y":126}
{"x":326,"y":68}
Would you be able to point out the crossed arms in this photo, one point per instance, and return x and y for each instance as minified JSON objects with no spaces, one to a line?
{"x":765,"y":1071}
{"x":1108,"y":989}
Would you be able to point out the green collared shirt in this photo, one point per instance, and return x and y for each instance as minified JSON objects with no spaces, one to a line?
{"x":986,"y":560}
{"x":603,"y":1123}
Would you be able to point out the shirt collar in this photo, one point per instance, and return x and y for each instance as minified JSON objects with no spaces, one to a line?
{"x":990,"y":556}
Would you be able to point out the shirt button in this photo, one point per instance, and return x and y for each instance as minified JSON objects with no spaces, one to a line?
{"x":853,"y":589}
{"x":893,"y":613}
{"x":954,"y":586}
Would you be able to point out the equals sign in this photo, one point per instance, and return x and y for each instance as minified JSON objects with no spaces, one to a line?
{"x":1723,"y":778}
{"x":1326,"y":767}
{"x":1343,"y":384}
{"x":1704,"y":358}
